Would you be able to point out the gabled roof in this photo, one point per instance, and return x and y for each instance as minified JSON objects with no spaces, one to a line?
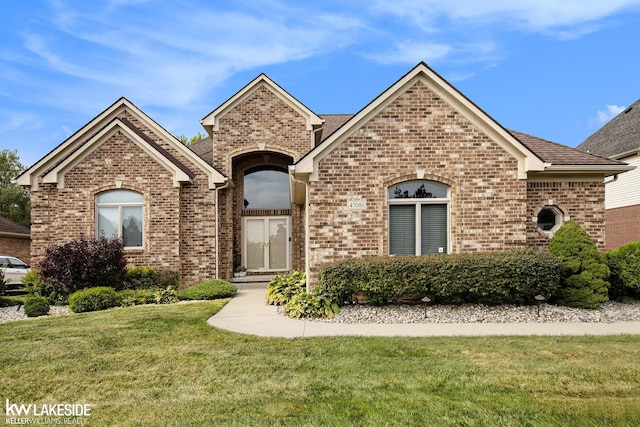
{"x":527,"y":160}
{"x":559,"y":155}
{"x":212,"y":120}
{"x":11,"y":229}
{"x":52,"y":167}
{"x":619,"y":138}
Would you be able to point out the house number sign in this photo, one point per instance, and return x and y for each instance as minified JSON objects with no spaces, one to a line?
{"x":357,"y":204}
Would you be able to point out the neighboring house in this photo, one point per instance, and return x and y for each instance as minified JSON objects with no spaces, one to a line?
{"x":420,"y":169}
{"x":15,"y":240}
{"x":620,"y":140}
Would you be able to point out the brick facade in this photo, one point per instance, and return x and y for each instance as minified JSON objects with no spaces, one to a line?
{"x":487,"y":200}
{"x":419,"y":129}
{"x":178,"y":222}
{"x":622,"y":226}
{"x":261,"y":130}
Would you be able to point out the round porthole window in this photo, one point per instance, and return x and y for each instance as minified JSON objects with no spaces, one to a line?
{"x":549,"y":218}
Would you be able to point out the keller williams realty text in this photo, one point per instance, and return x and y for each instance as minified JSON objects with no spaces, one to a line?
{"x":47,"y":410}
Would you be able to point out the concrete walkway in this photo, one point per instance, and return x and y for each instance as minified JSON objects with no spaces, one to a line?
{"x":247,"y":313}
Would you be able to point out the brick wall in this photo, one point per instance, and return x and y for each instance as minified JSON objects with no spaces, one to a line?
{"x":582,"y":202}
{"x":18,"y":247}
{"x":262,"y":129}
{"x":622,"y":226}
{"x":418,"y":130}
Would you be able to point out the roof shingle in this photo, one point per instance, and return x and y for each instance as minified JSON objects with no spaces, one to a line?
{"x":621,"y":135}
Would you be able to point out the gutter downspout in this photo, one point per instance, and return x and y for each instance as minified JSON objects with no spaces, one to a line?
{"x":615,"y":178}
{"x":217,"y":243}
{"x":306,"y":223}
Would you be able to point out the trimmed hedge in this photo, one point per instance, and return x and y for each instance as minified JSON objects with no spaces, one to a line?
{"x":513,"y":277}
{"x":35,"y":306}
{"x":93,"y":299}
{"x":624,"y":263}
{"x":145,"y":277}
{"x":211,"y":289}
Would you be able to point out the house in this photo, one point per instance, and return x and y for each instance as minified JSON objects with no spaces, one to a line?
{"x":420,"y":169}
{"x":14,"y":240}
{"x":620,"y":140}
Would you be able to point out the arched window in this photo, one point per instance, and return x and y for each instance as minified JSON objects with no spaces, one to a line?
{"x":266,"y":187}
{"x":418,"y":218}
{"x":119,"y":214}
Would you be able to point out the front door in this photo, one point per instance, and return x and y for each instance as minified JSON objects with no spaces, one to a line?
{"x":266,"y":243}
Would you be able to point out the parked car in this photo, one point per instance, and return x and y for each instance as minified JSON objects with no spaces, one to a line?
{"x":14,"y":269}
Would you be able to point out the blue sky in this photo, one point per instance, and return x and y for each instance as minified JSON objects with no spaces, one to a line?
{"x":557,"y":69}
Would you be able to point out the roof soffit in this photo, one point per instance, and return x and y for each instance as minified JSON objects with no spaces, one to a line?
{"x":527,"y":160}
{"x":212,"y":121}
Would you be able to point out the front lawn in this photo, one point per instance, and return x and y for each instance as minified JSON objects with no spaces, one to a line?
{"x":162,"y":365}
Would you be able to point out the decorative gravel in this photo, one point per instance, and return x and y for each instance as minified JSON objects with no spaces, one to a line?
{"x":477,"y":313}
{"x":10,"y":314}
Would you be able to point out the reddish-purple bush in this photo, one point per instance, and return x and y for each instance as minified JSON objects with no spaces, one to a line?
{"x":83,"y":263}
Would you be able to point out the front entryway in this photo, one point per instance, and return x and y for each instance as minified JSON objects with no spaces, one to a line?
{"x":266,"y":243}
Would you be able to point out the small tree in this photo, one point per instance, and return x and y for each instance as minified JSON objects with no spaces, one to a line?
{"x":583,"y":273}
{"x":83,"y":263}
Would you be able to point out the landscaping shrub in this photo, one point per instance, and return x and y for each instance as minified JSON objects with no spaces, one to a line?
{"x":490,"y":278}
{"x":35,"y":306}
{"x":145,"y":277}
{"x":624,"y":264}
{"x":83,"y":263}
{"x":165,"y":296}
{"x":10,"y":301}
{"x":93,"y":299}
{"x":284,"y":286}
{"x":583,"y":272}
{"x":131,"y":297}
{"x":211,"y":289}
{"x":141,"y":277}
{"x":3,"y":283}
{"x":167,"y":278}
{"x":305,"y":304}
{"x":34,"y":285}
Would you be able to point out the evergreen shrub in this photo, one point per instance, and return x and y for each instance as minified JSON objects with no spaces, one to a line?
{"x":93,"y":299}
{"x":211,"y":289}
{"x":583,"y":272}
{"x":624,"y":263}
{"x":35,"y":306}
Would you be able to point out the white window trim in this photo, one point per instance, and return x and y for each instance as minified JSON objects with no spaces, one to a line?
{"x":418,"y":203}
{"x":120,"y":206}
{"x":560,"y":219}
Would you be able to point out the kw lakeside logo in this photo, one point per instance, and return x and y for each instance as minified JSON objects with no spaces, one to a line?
{"x":57,"y":413}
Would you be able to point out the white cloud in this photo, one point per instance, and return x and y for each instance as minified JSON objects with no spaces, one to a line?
{"x":176,"y":54}
{"x":547,"y":16}
{"x":603,"y":116}
{"x":412,"y":53}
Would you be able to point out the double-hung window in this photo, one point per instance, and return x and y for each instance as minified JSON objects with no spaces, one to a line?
{"x":119,"y":214}
{"x":418,"y":218}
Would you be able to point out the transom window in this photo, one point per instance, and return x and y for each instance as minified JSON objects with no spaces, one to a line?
{"x":266,"y":187}
{"x":119,"y":214}
{"x":418,"y":218}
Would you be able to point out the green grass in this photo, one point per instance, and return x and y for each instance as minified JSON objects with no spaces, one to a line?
{"x":162,"y":365}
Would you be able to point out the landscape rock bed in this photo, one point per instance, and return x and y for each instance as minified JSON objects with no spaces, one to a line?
{"x":476,"y":313}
